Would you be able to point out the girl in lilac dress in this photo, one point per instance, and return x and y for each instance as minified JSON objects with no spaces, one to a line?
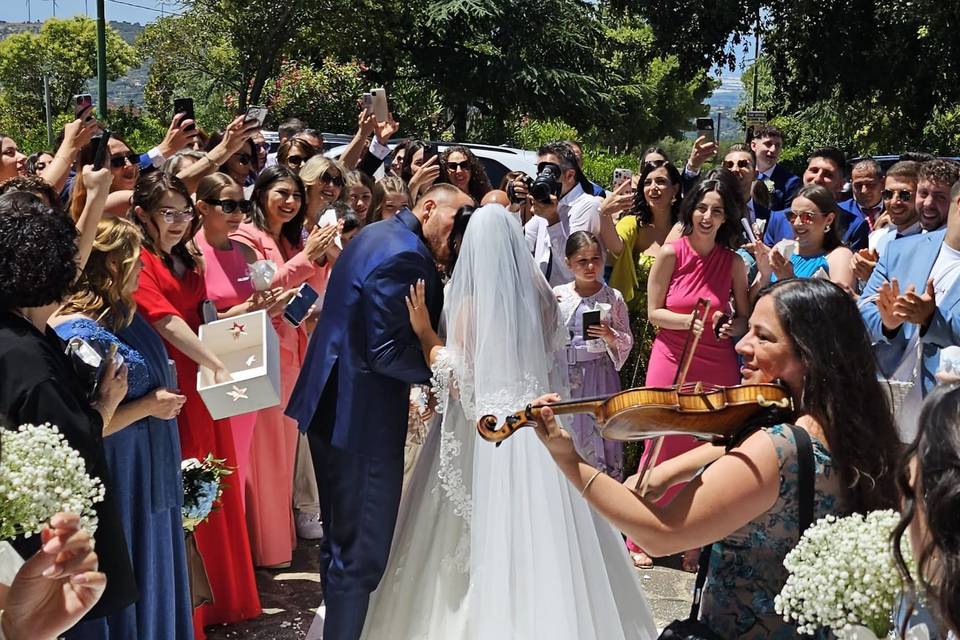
{"x":593,"y":360}
{"x":701,"y":264}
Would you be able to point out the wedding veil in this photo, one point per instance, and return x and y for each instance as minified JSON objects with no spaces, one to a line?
{"x":497,"y":287}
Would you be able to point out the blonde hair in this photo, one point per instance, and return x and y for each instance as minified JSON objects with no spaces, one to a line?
{"x":317,"y":166}
{"x":98,"y":293}
{"x":387,"y":186}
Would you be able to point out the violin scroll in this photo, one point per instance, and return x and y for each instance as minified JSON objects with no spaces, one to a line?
{"x":487,"y":425}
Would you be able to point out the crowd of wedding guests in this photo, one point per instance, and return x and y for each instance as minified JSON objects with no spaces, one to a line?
{"x":128,"y":254}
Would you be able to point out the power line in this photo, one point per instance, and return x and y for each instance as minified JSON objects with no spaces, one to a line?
{"x":145,"y":8}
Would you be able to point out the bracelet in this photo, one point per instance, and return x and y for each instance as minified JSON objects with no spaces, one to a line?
{"x":590,"y":481}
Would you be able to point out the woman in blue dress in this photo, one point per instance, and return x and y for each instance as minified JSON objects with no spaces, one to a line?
{"x":141,"y":440}
{"x":819,"y":253}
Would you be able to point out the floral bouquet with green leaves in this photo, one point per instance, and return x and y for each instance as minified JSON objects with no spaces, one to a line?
{"x":842,"y":576}
{"x":202,"y":488}
{"x":41,"y":475}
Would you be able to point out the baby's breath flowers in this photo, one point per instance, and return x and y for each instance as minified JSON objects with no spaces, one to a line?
{"x":40,"y":475}
{"x":842,"y":576}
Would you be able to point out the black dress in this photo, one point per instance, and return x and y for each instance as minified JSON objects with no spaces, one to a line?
{"x":38,"y":384}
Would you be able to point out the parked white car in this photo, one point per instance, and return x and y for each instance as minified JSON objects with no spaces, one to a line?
{"x":498,"y":161}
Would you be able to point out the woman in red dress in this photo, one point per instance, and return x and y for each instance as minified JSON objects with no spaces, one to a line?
{"x":170,"y":294}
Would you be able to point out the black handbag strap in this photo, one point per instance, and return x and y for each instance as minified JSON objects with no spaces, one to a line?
{"x":806,"y":475}
{"x":805,"y":486}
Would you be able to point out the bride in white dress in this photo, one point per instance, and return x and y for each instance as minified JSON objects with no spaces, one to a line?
{"x":493,"y":542}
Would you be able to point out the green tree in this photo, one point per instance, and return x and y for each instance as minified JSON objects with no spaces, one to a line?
{"x":65,"y":51}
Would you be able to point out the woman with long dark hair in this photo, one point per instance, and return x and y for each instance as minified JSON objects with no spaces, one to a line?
{"x":462,"y":169}
{"x":275,"y":231}
{"x":746,"y":502}
{"x":702,"y":264}
{"x":170,"y":296}
{"x":930,"y":483}
{"x":634,"y":242}
{"x":819,"y":250}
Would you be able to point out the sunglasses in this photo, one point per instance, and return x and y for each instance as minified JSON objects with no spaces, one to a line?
{"x":40,"y":166}
{"x":741,"y":164}
{"x":243,"y":158}
{"x":171,"y":216}
{"x":231,"y":206}
{"x":297,"y":160}
{"x":264,"y":146}
{"x":905,"y":196}
{"x":458,"y":166}
{"x":805,"y":217}
{"x":118,"y":161}
{"x":329,"y":179}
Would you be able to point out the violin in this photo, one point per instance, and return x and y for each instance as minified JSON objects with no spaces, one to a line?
{"x":710,"y":413}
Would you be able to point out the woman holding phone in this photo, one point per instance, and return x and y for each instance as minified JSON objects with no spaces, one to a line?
{"x":274,"y":231}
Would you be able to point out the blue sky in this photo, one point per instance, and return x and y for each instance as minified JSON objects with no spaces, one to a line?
{"x":121,"y":10}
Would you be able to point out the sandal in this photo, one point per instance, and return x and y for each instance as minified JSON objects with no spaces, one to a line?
{"x":641,"y":560}
{"x":690,"y":561}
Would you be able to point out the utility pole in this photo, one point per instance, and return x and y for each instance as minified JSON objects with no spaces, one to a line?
{"x":756,"y":59}
{"x":101,"y":59}
{"x":49,"y":110}
{"x":28,"y":12}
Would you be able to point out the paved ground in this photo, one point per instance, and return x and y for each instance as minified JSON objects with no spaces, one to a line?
{"x":291,"y":596}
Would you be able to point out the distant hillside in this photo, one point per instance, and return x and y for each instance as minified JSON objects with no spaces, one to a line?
{"x":128,"y":88}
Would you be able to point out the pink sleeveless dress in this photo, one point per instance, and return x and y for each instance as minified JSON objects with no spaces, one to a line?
{"x":715,"y":361}
{"x":228,"y":284}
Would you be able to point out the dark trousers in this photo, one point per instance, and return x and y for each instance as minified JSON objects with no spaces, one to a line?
{"x":359,"y":500}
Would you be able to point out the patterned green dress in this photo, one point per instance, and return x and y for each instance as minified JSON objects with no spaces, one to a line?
{"x":746,"y":567}
{"x":629,"y":276}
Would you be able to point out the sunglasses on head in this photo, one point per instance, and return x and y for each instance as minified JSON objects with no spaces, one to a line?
{"x":457,"y":166}
{"x":230,"y":206}
{"x":805,"y":217}
{"x":330,"y":179}
{"x":118,"y":161}
{"x":905,"y":196}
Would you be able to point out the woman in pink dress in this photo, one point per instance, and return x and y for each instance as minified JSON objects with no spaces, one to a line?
{"x":701,"y":264}
{"x":273,"y":232}
{"x":222,"y":207}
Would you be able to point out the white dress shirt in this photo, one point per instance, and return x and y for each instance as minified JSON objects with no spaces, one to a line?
{"x":578,"y":211}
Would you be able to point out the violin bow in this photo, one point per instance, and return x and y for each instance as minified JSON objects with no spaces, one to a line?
{"x":700,"y":312}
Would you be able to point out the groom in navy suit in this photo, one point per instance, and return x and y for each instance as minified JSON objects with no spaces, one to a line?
{"x":353,"y":391}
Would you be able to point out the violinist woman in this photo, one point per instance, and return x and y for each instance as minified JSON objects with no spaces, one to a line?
{"x":746,"y":502}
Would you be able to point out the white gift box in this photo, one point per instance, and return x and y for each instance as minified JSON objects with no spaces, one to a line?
{"x":250,"y":349}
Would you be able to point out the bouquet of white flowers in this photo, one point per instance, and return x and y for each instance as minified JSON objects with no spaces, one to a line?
{"x":842,"y":576}
{"x":201,"y":488}
{"x":40,"y":475}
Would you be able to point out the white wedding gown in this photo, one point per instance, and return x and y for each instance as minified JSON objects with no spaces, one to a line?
{"x":493,"y":543}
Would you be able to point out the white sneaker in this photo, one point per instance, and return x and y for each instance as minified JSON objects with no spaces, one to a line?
{"x":308,"y":525}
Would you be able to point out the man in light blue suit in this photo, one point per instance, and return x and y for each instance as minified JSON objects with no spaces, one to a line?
{"x":352,"y":395}
{"x":915,"y":288}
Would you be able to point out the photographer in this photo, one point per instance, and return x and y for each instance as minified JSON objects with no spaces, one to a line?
{"x":562,"y":202}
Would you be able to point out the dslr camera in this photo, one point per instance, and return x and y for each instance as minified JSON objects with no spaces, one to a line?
{"x":547,"y":183}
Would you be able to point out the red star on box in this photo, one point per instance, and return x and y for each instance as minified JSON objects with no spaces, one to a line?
{"x":238,"y":329}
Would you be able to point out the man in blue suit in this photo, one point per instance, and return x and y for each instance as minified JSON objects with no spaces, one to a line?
{"x":767,"y":143}
{"x":915,"y":288}
{"x":353,"y":391}
{"x":824,"y":167}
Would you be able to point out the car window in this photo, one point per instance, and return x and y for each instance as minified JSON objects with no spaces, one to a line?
{"x":495,"y":171}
